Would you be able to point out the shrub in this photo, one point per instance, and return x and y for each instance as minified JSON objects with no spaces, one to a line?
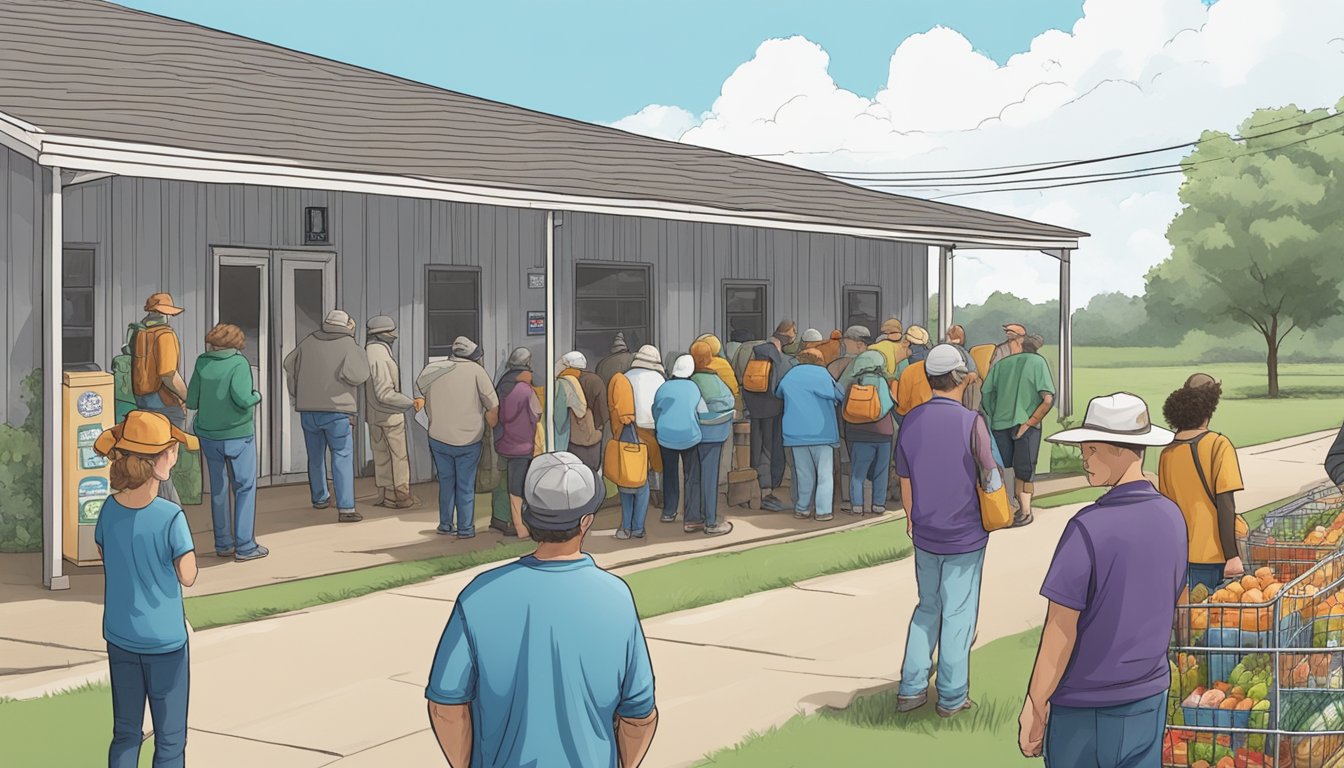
{"x":1066,"y":459}
{"x":21,"y":474}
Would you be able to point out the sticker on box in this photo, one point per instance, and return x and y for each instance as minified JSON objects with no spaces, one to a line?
{"x":89,"y":404}
{"x":85,"y":437}
{"x":91,"y":493}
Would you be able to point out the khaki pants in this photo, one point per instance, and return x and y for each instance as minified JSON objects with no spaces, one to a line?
{"x":391,"y":466}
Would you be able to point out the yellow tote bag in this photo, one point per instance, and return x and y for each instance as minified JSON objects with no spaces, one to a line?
{"x":626,"y":462}
{"x":995,"y":511}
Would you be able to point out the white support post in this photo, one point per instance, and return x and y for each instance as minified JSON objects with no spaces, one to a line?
{"x":1065,"y":404}
{"x":549,"y":425}
{"x":945,"y":254}
{"x":53,"y":240}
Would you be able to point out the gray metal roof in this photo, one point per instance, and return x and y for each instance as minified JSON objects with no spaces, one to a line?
{"x":90,"y":69}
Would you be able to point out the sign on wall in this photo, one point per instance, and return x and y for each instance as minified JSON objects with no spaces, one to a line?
{"x":536,"y":323}
{"x":536,"y":279}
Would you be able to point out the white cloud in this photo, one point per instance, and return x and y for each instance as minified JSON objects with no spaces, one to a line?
{"x":1130,"y":75}
{"x":658,"y":121}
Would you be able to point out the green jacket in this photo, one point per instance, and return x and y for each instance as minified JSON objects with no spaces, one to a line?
{"x":221,"y":393}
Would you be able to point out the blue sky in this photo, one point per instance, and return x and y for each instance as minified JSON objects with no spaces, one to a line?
{"x":601,"y":60}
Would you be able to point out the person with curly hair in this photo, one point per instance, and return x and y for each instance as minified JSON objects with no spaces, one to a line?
{"x":1199,"y":472}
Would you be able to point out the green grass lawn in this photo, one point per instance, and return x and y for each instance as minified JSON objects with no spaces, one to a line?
{"x":870,"y":733}
{"x":73,"y":728}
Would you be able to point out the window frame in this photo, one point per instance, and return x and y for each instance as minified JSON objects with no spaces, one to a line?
{"x":92,"y":291}
{"x":852,"y":288}
{"x":478,"y":311}
{"x":652,"y":307}
{"x":729,"y":284}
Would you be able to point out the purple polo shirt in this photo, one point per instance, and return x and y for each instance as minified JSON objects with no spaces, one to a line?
{"x":934,"y":451}
{"x":1121,"y":564}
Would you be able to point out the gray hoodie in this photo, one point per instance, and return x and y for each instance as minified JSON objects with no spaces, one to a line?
{"x":325,"y":371}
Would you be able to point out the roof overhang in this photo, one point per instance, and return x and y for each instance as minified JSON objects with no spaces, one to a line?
{"x":101,"y":157}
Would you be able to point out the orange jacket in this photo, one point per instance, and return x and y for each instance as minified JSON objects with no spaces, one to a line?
{"x":620,"y":402}
{"x":912,"y":389}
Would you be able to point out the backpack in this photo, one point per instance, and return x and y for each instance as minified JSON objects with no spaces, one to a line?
{"x":145,"y":378}
{"x":912,"y":389}
{"x":756,"y":377}
{"x":862,"y":404}
{"x":582,"y":431}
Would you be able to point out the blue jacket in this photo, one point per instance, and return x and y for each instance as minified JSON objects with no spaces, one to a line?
{"x":716,"y":424}
{"x":810,"y":398}
{"x":676,"y":406}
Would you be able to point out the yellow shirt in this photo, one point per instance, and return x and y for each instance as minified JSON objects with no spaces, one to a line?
{"x":892,"y":352}
{"x":1178,"y":480}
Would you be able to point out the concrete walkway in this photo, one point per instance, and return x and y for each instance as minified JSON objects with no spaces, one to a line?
{"x":342,"y":685}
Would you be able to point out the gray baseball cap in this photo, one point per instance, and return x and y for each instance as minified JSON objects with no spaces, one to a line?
{"x":559,"y":491}
{"x":858,"y":333}
{"x":943,"y":359}
{"x":382,"y":324}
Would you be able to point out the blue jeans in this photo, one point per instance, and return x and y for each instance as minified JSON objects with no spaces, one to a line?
{"x":1124,"y":736}
{"x":672,"y":461}
{"x":323,"y":431}
{"x":1208,"y":574}
{"x":949,"y":602}
{"x":813,"y":469}
{"x":456,"y":466}
{"x":634,"y":508}
{"x":702,"y":484}
{"x":163,"y":679}
{"x":232,"y":465}
{"x":869,"y":461}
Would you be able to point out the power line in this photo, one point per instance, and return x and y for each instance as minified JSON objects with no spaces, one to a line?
{"x":1027,"y":168}
{"x":1085,"y":181}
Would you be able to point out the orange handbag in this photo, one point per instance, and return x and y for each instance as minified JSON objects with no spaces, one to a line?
{"x":626,"y":462}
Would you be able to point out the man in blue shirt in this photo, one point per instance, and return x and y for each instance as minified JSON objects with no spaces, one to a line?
{"x":543,"y":662}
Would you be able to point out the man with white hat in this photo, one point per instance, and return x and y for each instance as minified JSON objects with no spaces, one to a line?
{"x":543,"y":660}
{"x":323,"y":375}
{"x":385,"y":409}
{"x":646,"y":375}
{"x":1098,"y":693}
{"x":460,"y":401}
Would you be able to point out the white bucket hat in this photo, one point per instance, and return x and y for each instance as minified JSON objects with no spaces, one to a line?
{"x":1119,"y":418}
{"x":683,"y":367}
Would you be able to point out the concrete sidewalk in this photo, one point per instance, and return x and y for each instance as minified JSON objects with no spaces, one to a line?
{"x":342,"y":684}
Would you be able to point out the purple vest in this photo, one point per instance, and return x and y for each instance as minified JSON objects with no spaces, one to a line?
{"x":517,"y":426}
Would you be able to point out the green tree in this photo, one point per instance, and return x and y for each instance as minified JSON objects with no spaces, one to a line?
{"x":1258,"y":240}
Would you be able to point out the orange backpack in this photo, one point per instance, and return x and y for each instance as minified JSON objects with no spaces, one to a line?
{"x":145,"y":364}
{"x":912,"y":389}
{"x":862,"y":404}
{"x":756,"y":377}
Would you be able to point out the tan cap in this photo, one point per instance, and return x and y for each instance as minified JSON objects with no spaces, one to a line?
{"x":1201,"y":380}
{"x":891,"y":325}
{"x":1018,"y":328}
{"x":163,"y":304}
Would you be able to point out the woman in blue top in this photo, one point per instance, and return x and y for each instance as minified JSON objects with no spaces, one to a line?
{"x":716,"y":426}
{"x":148,"y":556}
{"x":870,"y":442}
{"x":675,"y":406}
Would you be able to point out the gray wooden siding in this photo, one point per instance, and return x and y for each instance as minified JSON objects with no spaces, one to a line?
{"x":151,"y":235}
{"x":21,"y":272}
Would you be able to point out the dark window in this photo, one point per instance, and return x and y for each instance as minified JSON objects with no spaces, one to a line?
{"x":611,"y":300}
{"x":862,"y":307}
{"x":744,"y":310}
{"x":77,"y":313}
{"x":452,"y":308}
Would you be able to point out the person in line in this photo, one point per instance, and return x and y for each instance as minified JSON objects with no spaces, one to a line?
{"x":148,"y":557}
{"x":853,"y":342}
{"x":1018,"y":393}
{"x":741,"y":356}
{"x":634,"y":497}
{"x":156,"y":378}
{"x":571,"y":405}
{"x":1097,"y":695}
{"x":917,"y":343}
{"x":385,"y":409}
{"x":461,"y":403}
{"x":811,"y":398}
{"x":716,"y":428}
{"x":764,"y":371}
{"x":942,"y":453}
{"x":222,"y":395}
{"x":585,"y":434}
{"x":543,"y":660}
{"x":891,"y":344}
{"x":676,"y":410}
{"x":811,"y":339}
{"x":870,"y":442}
{"x":617,"y":362}
{"x":1199,"y":472}
{"x":323,"y":375}
{"x":718,"y":363}
{"x":736,"y":339}
{"x":646,"y":375}
{"x":956,"y":337}
{"x":515,"y":433}
{"x":1014,"y":334}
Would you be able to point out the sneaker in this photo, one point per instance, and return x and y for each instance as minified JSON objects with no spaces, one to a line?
{"x":952,"y":712}
{"x":322,"y":504}
{"x":622,"y":534}
{"x":911,"y":703}
{"x":879,"y":511}
{"x":464,"y":536}
{"x":224,"y":552}
{"x":719,"y":529}
{"x":855,"y":511}
{"x":445,"y":531}
{"x":802,"y":515}
{"x":825,"y":518}
{"x":349,"y":516}
{"x":772,"y":504}
{"x":668,"y":518}
{"x":693,"y":527}
{"x":848,"y":510}
{"x":637,"y":534}
{"x":255,"y":554}
{"x":1022,"y":520}
{"x":505,"y":528}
